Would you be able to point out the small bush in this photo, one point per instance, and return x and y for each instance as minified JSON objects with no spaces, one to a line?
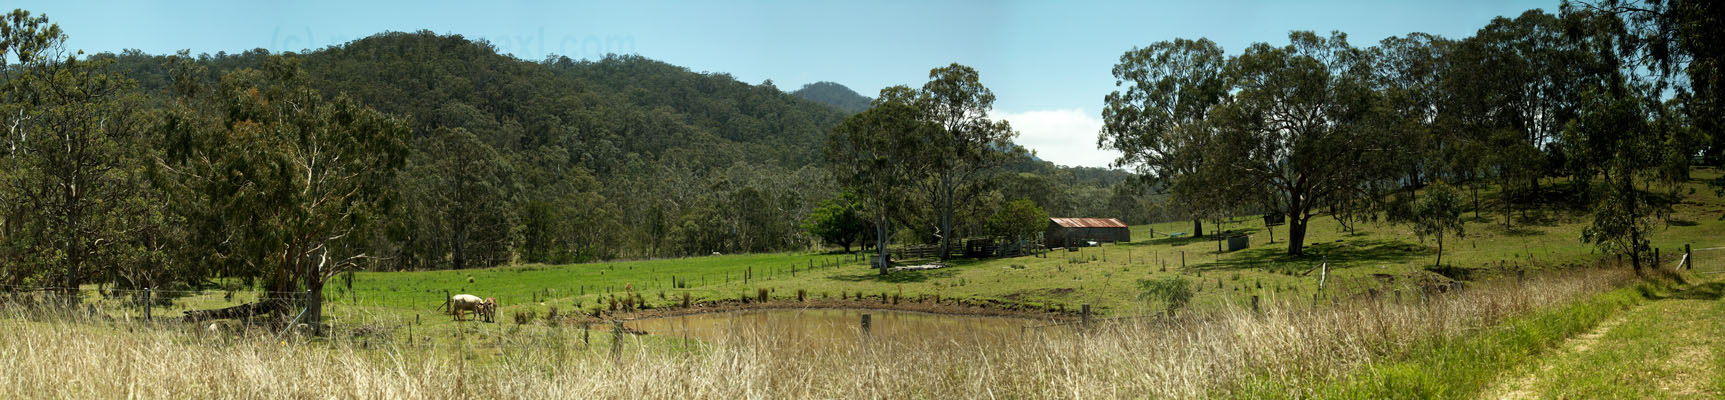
{"x":1173,"y":292}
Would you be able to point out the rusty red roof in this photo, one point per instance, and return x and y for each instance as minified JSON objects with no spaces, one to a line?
{"x":1088,"y":222}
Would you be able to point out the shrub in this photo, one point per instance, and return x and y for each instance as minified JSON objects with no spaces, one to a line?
{"x":1173,"y":291}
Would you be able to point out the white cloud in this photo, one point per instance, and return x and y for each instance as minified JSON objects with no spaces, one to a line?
{"x":1065,"y":137}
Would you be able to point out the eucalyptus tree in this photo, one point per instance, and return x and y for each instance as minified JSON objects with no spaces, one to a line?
{"x":874,"y":154}
{"x":958,"y":158}
{"x":1615,"y":121}
{"x":1158,"y":121}
{"x":1302,"y":123}
{"x":468,"y":195}
{"x":1406,"y":73}
{"x":67,"y":178}
{"x":1676,"y":42}
{"x":290,"y":179}
{"x":1438,"y":216}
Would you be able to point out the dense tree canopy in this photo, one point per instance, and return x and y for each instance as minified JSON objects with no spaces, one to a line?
{"x":1159,"y":121}
{"x":1593,"y":96}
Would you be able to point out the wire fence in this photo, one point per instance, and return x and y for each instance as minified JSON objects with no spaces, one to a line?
{"x":411,"y":318}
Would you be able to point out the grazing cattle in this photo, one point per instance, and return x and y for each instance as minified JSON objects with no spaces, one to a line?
{"x":488,"y":309}
{"x":460,"y":304}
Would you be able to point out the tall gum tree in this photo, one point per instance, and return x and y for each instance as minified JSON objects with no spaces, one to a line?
{"x":874,"y":154}
{"x":1301,"y":124}
{"x":969,"y":145}
{"x":1158,"y":119}
{"x":68,"y":183}
{"x":293,"y":180}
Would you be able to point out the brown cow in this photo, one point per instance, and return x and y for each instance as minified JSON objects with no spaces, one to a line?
{"x":488,"y":309}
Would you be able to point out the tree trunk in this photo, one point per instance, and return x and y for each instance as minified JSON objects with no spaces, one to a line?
{"x":880,"y":228}
{"x":946,"y":224}
{"x":74,"y":254}
{"x":1439,"y":251}
{"x":1197,"y":227}
{"x":1635,"y":260}
{"x":314,"y":304}
{"x":458,"y":246}
{"x":1296,"y":235}
{"x":1476,"y":200}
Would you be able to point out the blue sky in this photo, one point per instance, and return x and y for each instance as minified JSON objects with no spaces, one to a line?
{"x":1047,"y":62}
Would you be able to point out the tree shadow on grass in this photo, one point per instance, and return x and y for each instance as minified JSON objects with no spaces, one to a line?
{"x":897,"y":276}
{"x":873,"y":275}
{"x":1340,"y":254}
{"x":1707,"y":291}
{"x":1175,"y":241}
{"x":1522,"y":231}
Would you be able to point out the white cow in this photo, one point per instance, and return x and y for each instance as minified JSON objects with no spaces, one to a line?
{"x":460,"y":304}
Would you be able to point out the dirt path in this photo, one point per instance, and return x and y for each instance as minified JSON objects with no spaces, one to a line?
{"x":1663,"y":349}
{"x":1523,"y":387}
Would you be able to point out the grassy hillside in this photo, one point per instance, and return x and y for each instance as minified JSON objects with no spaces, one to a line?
{"x":1375,"y":257}
{"x":1448,"y":345}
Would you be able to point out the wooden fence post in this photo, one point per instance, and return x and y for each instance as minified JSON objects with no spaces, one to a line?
{"x":147,"y":301}
{"x":616,"y":339}
{"x":1084,"y":316}
{"x":1255,"y":304}
{"x":1688,"y":257}
{"x":865,"y":333}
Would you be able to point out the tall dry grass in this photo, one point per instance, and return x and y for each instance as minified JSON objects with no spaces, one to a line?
{"x":1201,"y":355}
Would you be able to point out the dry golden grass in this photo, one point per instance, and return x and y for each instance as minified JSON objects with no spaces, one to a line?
{"x":1200,"y":355}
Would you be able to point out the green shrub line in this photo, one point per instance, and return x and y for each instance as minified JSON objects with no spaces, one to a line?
{"x":1459,"y":367}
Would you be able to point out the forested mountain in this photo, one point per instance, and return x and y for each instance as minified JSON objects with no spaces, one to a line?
{"x":834,"y":94}
{"x":567,"y":160}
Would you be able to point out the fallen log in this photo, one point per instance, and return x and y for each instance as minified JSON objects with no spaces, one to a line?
{"x":243,"y":311}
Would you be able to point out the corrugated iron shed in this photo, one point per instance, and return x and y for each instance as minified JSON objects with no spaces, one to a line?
{"x":1088,"y":222}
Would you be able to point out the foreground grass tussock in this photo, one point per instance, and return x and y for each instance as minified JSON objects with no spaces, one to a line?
{"x":1274,"y":354}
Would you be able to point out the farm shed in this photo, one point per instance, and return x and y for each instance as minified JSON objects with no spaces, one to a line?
{"x":1067,"y":232}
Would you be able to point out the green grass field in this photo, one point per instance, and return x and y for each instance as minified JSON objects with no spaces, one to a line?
{"x":1104,"y":277}
{"x":1561,"y":332}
